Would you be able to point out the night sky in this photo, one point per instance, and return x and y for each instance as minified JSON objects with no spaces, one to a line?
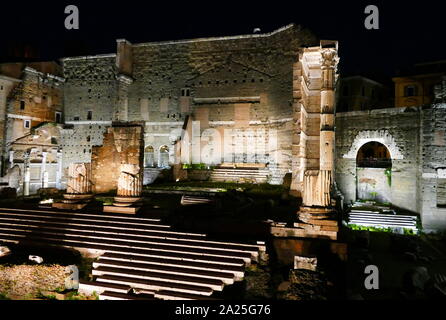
{"x":410,"y":32}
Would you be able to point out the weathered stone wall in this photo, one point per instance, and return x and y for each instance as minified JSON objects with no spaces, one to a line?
{"x":91,"y":86}
{"x":123,"y":144}
{"x":415,"y":138}
{"x":6,"y":86}
{"x":373,"y":184}
{"x":162,"y":83}
{"x":214,"y":69}
{"x":398,"y":130}
{"x":36,"y":98}
{"x":433,"y":179}
{"x":30,"y":135}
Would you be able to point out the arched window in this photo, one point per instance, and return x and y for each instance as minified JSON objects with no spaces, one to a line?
{"x":164,"y":157}
{"x":149,"y":158}
{"x":373,"y":155}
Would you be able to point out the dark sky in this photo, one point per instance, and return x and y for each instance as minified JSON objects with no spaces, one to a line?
{"x":409,"y":31}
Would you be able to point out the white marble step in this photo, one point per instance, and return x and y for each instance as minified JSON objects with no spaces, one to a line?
{"x":237,"y":271}
{"x":104,"y":247}
{"x":89,"y":287}
{"x":153,"y":286}
{"x":226,"y":278}
{"x":160,"y":242}
{"x":214,"y":284}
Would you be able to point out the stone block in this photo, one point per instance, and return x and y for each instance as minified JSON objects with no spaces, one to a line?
{"x":126,"y":210}
{"x":307,"y":263}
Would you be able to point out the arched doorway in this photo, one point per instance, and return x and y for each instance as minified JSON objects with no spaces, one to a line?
{"x":149,"y":158}
{"x":374,"y":172}
{"x":164,"y":157}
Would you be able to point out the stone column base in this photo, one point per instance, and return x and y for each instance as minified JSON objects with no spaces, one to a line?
{"x":130,"y":205}
{"x":73,"y":201}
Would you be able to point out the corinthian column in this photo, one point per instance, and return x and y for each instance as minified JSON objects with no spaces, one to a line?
{"x":329,"y":61}
{"x":317,"y":183}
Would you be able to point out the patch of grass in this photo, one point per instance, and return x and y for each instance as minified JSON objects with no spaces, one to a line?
{"x":106,"y":201}
{"x":197,"y":166}
{"x":74,"y":295}
{"x":379,"y":229}
{"x":4,"y":296}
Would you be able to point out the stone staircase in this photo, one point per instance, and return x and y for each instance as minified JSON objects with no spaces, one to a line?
{"x":240,"y":175}
{"x":381,"y":220}
{"x":187,"y":200}
{"x":135,"y":254}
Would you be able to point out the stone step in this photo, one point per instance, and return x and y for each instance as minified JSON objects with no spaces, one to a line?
{"x":238,"y":179}
{"x":152,"y":232}
{"x":20,"y":231}
{"x":88,"y":287}
{"x":191,"y":200}
{"x":105,"y":217}
{"x":104,"y":222}
{"x":375,"y":214}
{"x":382,"y":224}
{"x":103,"y":248}
{"x":155,"y":286}
{"x":231,"y":175}
{"x":365,"y":218}
{"x":383,"y":220}
{"x":111,"y":295}
{"x":214,"y":284}
{"x":260,"y":170}
{"x":188,"y":245}
{"x":382,"y":217}
{"x":161,"y":234}
{"x":237,"y":271}
{"x":174,"y":295}
{"x":227,"y":278}
{"x":239,"y":173}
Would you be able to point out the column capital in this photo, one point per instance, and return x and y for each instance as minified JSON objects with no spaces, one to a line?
{"x":329,"y":58}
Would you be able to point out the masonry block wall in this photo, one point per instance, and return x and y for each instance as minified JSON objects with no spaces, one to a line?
{"x":398,"y":130}
{"x":433,"y":177}
{"x":415,"y":138}
{"x":89,"y":100}
{"x":241,"y":83}
{"x":123,"y":144}
{"x":30,"y":106}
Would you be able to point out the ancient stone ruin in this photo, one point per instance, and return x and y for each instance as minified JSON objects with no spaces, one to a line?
{"x":79,"y":187}
{"x":117,"y":166}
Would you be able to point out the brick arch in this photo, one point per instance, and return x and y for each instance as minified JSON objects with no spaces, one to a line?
{"x":382,"y":136}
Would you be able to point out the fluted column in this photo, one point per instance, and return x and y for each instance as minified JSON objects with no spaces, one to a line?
{"x":130,"y":181}
{"x":79,"y":178}
{"x":327,"y":137}
{"x":317,"y":183}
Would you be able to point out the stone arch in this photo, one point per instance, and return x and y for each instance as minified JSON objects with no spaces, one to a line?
{"x":381,"y":136}
{"x":149,"y":157}
{"x":163,"y":156}
{"x":373,"y":155}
